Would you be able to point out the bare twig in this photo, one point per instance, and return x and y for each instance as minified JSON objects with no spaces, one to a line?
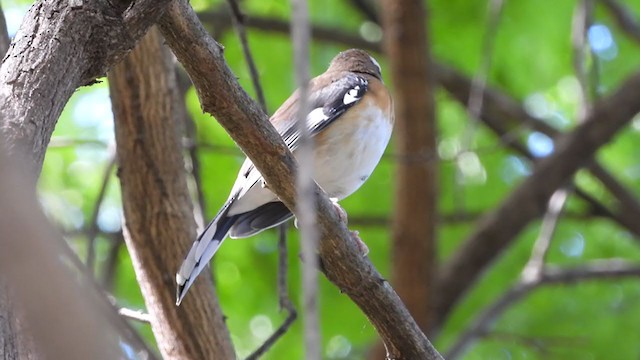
{"x":531,"y":276}
{"x":476,"y":93}
{"x":111,"y":262}
{"x":306,"y":206}
{"x":92,"y":231}
{"x":189,"y":142}
{"x":269,"y":24}
{"x":582,"y":19}
{"x":283,"y":296}
{"x":533,"y":268}
{"x":137,"y":315}
{"x":550,"y":275}
{"x":238,"y":23}
{"x":479,"y":82}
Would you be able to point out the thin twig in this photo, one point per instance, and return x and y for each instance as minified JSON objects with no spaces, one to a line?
{"x":137,"y":315}
{"x":551,"y":275}
{"x":238,"y":23}
{"x":194,"y":182}
{"x":306,"y":214}
{"x":92,"y":231}
{"x":111,"y":262}
{"x":476,"y":93}
{"x":534,"y":267}
{"x":220,"y":19}
{"x":582,"y":18}
{"x":283,"y":296}
{"x":531,"y":277}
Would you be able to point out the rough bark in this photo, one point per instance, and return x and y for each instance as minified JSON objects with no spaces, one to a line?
{"x":414,"y":220}
{"x":158,"y":212}
{"x":58,"y":48}
{"x":221,"y":95}
{"x":496,"y":230}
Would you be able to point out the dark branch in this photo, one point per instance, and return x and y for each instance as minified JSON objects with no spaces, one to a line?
{"x":500,"y":227}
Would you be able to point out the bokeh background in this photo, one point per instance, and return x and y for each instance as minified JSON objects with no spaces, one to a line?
{"x":531,"y":59}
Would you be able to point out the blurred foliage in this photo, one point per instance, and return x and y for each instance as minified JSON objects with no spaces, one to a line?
{"x":531,"y":61}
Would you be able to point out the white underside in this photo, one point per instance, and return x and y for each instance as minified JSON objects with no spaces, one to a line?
{"x":342,"y":163}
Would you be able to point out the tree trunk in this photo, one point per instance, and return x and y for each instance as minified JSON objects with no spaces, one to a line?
{"x":158,"y":211}
{"x":407,"y":47}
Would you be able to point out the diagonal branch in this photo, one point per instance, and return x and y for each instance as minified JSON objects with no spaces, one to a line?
{"x":157,"y":209}
{"x":221,"y":95}
{"x":499,"y":228}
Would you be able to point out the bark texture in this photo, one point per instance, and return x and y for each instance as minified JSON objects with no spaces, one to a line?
{"x":221,"y":95}
{"x":58,"y":48}
{"x":414,"y":223}
{"x":157,"y":207}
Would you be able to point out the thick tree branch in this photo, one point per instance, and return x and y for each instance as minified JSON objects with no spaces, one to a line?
{"x":502,"y":115}
{"x":57,"y":49}
{"x":414,"y":219}
{"x":221,"y":95}
{"x":498,"y":228}
{"x":157,"y":208}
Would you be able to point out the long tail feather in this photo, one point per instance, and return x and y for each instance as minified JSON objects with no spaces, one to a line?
{"x":202,"y":251}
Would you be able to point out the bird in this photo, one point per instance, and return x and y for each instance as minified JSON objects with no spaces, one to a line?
{"x":350,"y":124}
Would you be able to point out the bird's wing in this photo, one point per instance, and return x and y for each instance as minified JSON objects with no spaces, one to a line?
{"x":327,"y":102}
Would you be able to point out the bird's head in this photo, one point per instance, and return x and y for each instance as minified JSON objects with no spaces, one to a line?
{"x":356,"y":60}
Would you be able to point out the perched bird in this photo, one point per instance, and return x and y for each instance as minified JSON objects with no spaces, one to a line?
{"x":350,"y":122}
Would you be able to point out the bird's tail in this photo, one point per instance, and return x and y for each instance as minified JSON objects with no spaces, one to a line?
{"x":203,"y":250}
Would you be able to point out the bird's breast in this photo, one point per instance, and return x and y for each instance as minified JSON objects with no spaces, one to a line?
{"x":348,"y":151}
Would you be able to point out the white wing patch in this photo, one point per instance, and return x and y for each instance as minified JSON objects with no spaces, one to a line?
{"x":315,"y":117}
{"x":351,"y":95}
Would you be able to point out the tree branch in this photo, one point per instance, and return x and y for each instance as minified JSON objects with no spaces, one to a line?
{"x":157,"y":208}
{"x":221,"y":95}
{"x":498,"y":228}
{"x":407,"y":45}
{"x":57,"y":49}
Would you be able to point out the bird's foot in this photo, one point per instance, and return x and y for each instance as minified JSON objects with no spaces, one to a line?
{"x":362,"y":247}
{"x":342,"y":214}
